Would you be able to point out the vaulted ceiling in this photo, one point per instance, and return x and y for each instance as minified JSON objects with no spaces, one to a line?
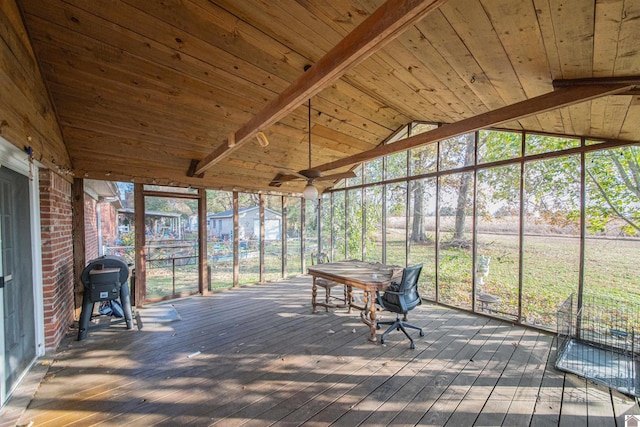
{"x":146,"y":90}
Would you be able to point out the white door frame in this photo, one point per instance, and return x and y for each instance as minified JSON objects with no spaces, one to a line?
{"x":18,"y":161}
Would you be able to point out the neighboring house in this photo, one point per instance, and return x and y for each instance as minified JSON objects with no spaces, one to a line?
{"x":101,"y":206}
{"x":192,"y":224}
{"x":220,"y":225}
{"x":159,"y":225}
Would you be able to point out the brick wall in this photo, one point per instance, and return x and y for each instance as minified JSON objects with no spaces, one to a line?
{"x":57,"y":256}
{"x":109,"y":216}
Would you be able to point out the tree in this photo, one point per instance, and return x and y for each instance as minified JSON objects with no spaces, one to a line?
{"x":219,"y":201}
{"x":423,"y":160}
{"x":354,"y":224}
{"x":463,"y":192}
{"x":458,"y":152}
{"x":418,"y":232}
{"x":612,"y":181}
{"x":613,"y":189}
{"x":169,"y":204}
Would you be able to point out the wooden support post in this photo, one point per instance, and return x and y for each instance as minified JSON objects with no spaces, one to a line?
{"x":319,"y":208}
{"x":262,"y":234}
{"x":140,"y":245}
{"x":78,"y":230}
{"x":284,"y":237}
{"x":203,"y":276}
{"x":236,"y":241}
{"x":303,"y":234}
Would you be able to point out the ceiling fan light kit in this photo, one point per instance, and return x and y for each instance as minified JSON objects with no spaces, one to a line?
{"x":310,"y":192}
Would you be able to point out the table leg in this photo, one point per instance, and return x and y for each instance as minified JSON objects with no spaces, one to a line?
{"x":368,"y":314}
{"x":349,"y":297}
{"x":372,"y":315}
{"x":314,"y":292}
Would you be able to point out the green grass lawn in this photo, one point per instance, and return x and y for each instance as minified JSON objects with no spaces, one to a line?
{"x":550,"y":274}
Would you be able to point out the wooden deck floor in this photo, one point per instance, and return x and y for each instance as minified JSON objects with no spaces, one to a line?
{"x":256,"y":356}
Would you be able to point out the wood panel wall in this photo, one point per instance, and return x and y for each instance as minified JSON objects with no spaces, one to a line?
{"x":27,"y":116}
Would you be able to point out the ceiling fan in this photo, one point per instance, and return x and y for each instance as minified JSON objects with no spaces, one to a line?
{"x":310,"y":175}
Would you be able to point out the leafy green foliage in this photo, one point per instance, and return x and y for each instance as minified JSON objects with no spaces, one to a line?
{"x":373,"y":170}
{"x":184,"y":207}
{"x":497,"y":145}
{"x":457,"y":152}
{"x":128,"y":238}
{"x":219,"y":201}
{"x":613,"y":190}
{"x":552,"y":200}
{"x":537,"y":144}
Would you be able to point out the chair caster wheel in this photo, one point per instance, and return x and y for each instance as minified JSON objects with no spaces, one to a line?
{"x":421,"y":333}
{"x":412,"y":346}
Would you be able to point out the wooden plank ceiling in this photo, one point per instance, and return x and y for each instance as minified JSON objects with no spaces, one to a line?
{"x":142,"y":88}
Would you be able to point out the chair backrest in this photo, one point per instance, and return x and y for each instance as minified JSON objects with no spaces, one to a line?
{"x":319,"y":258}
{"x":408,"y":297}
{"x":409,"y":283}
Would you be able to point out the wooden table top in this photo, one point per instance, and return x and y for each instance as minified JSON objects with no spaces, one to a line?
{"x":358,"y":273}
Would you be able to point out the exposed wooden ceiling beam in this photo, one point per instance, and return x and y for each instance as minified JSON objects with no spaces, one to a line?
{"x":631,"y":80}
{"x":550,"y":101}
{"x":382,"y":26}
{"x":628,"y":80}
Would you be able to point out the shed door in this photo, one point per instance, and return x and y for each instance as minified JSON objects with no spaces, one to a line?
{"x":17,"y":334}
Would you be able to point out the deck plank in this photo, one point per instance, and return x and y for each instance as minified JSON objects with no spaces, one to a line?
{"x":474,"y":401}
{"x":459,"y":389}
{"x":526,"y":395}
{"x":549,"y":403}
{"x":623,"y":406}
{"x":428,"y":365}
{"x":439,"y":376}
{"x":301,"y":406}
{"x":256,"y":350}
{"x":503,"y":394}
{"x":599,"y":407}
{"x":574,"y":402}
{"x":257,"y":356}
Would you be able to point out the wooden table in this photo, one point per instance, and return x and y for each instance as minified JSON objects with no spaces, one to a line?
{"x":370,"y":277}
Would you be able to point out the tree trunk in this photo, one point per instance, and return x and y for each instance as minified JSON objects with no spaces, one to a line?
{"x":418,"y":233}
{"x":461,"y":211}
{"x":463,"y":192}
{"x":419,"y":190}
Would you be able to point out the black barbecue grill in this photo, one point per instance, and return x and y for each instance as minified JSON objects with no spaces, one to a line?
{"x":104,"y":279}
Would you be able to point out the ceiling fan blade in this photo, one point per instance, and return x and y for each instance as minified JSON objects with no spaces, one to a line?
{"x":336,"y":176}
{"x":286,"y":172}
{"x":280,"y":178}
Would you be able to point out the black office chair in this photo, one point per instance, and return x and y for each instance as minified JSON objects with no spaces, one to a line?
{"x":400,"y":298}
{"x":323,"y":258}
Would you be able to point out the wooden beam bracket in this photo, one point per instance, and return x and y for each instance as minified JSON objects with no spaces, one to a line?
{"x":192,"y":170}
